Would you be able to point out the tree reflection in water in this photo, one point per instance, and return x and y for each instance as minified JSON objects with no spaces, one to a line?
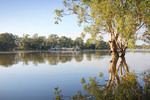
{"x":53,"y":58}
{"x":8,"y":60}
{"x":121,"y":85}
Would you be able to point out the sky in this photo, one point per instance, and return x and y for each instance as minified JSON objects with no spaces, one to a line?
{"x":37,"y":16}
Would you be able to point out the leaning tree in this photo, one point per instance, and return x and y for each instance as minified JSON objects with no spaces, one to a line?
{"x":124,"y":21}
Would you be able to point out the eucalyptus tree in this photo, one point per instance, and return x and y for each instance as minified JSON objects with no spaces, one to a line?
{"x":147,"y":39}
{"x":124,"y":21}
{"x":78,"y":42}
{"x":62,"y":41}
{"x":37,"y":41}
{"x":34,"y":42}
{"x":89,"y":44}
{"x":101,"y":45}
{"x":26,"y":41}
{"x":69,"y":42}
{"x":8,"y":41}
{"x":52,"y":40}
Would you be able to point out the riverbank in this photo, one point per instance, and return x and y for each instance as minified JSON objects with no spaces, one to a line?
{"x":16,"y":51}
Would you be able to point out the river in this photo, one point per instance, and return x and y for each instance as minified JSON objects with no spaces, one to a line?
{"x":34,"y":75}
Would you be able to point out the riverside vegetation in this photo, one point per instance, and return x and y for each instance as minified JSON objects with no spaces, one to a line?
{"x":10,"y":42}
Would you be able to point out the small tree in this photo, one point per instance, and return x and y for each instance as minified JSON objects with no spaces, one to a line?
{"x":124,"y":21}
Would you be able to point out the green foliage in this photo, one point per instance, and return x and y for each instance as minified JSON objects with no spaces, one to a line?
{"x":8,"y":41}
{"x":58,"y":94}
{"x":65,"y":42}
{"x":121,"y":19}
{"x":82,"y":81}
{"x":26,"y":41}
{"x":78,"y":42}
{"x":131,"y":43}
{"x":89,"y":44}
{"x":102,"y":45}
{"x":147,"y":39}
{"x":143,"y":46}
{"x":69,"y":42}
{"x":33,"y":43}
{"x":52,"y":41}
{"x":100,"y":74}
{"x":37,"y":42}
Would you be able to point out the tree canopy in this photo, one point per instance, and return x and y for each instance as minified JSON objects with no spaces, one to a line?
{"x":36,"y":42}
{"x":124,"y":20}
{"x":8,"y":41}
{"x":52,"y":40}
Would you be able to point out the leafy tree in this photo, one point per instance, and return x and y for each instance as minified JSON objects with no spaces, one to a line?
{"x":65,"y":42}
{"x":26,"y":41}
{"x":147,"y":39}
{"x":62,"y":41}
{"x":69,"y":42}
{"x":8,"y":41}
{"x":52,"y":40}
{"x":78,"y":42}
{"x":102,"y":45}
{"x":37,"y":42}
{"x":123,"y":20}
{"x":89,"y":44}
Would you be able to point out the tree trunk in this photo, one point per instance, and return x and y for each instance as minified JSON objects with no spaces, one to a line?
{"x":112,"y":70}
{"x":123,"y":51}
{"x":113,"y":48}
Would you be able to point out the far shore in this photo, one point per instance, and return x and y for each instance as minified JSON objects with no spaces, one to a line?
{"x":23,"y":51}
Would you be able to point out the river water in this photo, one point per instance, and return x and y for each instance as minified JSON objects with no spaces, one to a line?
{"x":34,"y":75}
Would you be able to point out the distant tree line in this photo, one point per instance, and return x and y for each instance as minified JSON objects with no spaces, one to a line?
{"x":142,"y":46}
{"x":10,"y":42}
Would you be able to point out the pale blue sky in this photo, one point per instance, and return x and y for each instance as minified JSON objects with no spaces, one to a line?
{"x":37,"y":16}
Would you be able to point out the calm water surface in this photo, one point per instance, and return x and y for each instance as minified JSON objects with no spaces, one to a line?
{"x":34,"y":75}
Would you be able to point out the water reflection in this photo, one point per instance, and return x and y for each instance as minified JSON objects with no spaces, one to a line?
{"x":122,"y":84}
{"x":65,"y":69}
{"x":114,"y":71}
{"x":9,"y":59}
{"x":34,"y":57}
{"x":53,"y":58}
